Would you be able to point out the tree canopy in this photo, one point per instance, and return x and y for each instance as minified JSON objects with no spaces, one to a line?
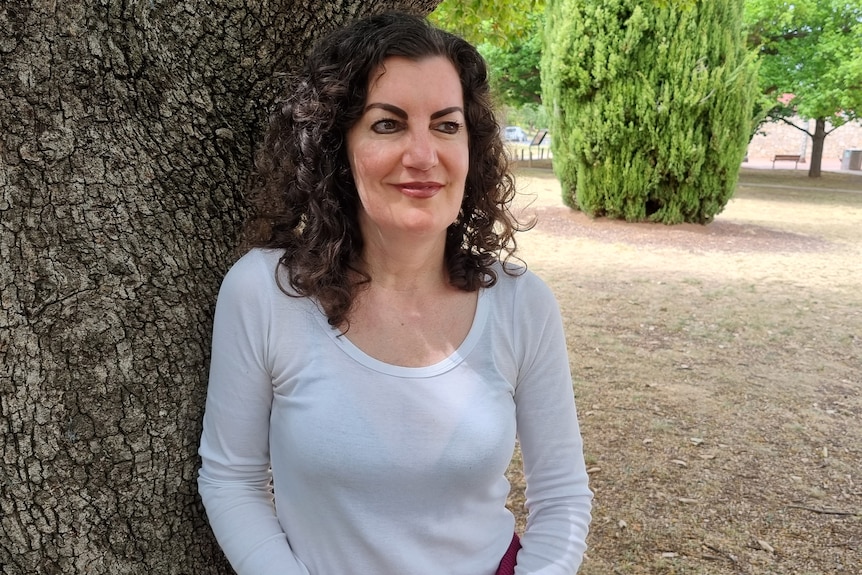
{"x":811,"y":62}
{"x":497,"y":22}
{"x":509,"y":37}
{"x":514,"y":66}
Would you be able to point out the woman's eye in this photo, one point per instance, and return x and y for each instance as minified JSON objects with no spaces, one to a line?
{"x":450,"y":127}
{"x":385,"y":126}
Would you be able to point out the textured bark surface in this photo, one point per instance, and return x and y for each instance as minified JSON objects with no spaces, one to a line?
{"x":817,"y":140}
{"x":126,"y":132}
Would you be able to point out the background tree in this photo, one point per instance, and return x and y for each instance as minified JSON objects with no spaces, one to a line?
{"x":515,"y":77}
{"x":488,"y":21}
{"x":126,"y":133}
{"x":811,"y":63}
{"x":509,"y":37}
{"x":652,"y":105}
{"x":514,"y":65}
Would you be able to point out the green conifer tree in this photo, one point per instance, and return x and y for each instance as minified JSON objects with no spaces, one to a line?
{"x":652,"y":105}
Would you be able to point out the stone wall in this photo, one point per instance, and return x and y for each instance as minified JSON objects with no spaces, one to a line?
{"x":779,"y":138}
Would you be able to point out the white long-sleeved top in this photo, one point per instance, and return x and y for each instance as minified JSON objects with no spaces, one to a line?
{"x":319,"y":459}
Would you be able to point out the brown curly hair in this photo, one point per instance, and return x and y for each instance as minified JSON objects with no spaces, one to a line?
{"x":304,"y":197}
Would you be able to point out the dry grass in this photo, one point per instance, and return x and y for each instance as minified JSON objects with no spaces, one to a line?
{"x":718,"y":372}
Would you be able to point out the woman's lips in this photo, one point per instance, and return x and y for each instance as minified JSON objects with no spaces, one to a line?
{"x":420,"y":189}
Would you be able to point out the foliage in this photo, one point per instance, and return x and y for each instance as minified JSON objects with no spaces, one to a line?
{"x":514,"y":66}
{"x":508,"y":35}
{"x":652,"y":105}
{"x":497,"y":22}
{"x":812,"y":50}
{"x":529,"y":116}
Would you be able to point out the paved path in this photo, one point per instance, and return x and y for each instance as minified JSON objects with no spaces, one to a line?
{"x":806,"y":188}
{"x":827,"y":165}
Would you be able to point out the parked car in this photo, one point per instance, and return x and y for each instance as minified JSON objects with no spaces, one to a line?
{"x":515,"y":134}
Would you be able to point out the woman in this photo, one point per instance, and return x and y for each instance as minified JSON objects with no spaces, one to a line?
{"x":373,"y":360}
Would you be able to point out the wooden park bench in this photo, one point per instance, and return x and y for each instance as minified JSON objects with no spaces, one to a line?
{"x":786,"y":158}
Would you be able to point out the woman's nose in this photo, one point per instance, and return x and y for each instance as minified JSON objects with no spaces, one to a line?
{"x":421,"y":152}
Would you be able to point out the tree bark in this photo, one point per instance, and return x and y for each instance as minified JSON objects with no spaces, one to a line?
{"x":817,"y":140}
{"x":126,"y":135}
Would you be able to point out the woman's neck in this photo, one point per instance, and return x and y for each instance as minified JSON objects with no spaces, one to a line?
{"x":406,"y":266}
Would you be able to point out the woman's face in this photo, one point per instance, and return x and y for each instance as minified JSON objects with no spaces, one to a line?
{"x":409,"y":150}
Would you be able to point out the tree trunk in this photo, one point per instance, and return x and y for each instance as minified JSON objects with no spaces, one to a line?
{"x":817,"y":140}
{"x":126,"y":133}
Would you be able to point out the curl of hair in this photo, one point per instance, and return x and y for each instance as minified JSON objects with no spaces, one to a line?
{"x":303,"y":193}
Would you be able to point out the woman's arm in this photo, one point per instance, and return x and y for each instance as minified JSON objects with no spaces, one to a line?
{"x":558,"y":498}
{"x":235,"y":478}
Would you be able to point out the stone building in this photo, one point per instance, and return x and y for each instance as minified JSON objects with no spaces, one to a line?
{"x":779,"y":138}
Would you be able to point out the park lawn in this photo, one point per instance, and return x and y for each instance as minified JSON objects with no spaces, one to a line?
{"x":718,"y":375}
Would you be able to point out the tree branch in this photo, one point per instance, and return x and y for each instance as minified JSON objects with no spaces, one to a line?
{"x":789,"y":123}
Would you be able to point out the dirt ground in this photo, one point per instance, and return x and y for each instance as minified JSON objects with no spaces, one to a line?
{"x":718,"y":375}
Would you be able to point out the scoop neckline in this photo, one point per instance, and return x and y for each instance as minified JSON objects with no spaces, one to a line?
{"x":454,"y":359}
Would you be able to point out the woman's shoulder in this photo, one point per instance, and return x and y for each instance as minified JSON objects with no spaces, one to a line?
{"x":255,"y":264}
{"x":521,"y":284}
{"x":517,"y":276}
{"x":254,"y":271}
{"x":259,"y":284}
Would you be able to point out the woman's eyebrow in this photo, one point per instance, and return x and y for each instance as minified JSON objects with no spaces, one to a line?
{"x":402,"y":114}
{"x":387,"y":107}
{"x":446,"y":112}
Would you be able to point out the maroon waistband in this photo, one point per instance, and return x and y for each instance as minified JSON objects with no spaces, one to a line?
{"x":507,"y":563}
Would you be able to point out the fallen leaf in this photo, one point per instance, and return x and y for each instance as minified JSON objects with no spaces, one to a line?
{"x":765,"y":546}
{"x":595,"y":469}
{"x":679,"y":462}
